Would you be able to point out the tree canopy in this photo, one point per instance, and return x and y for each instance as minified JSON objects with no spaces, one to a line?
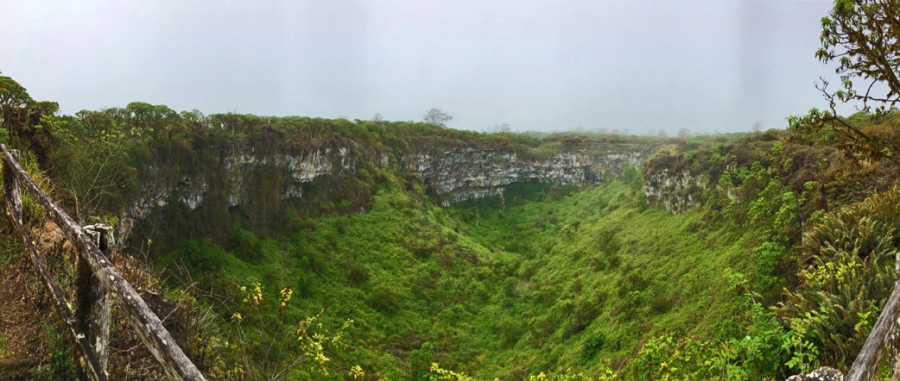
{"x":863,"y":36}
{"x":436,"y":116}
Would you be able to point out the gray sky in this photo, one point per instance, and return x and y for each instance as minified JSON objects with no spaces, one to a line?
{"x":638,"y":65}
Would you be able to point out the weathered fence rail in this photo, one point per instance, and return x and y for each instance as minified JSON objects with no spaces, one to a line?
{"x":885,"y":329}
{"x":885,"y":332}
{"x":97,"y":278}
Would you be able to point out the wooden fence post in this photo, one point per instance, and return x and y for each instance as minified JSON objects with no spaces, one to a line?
{"x":174,"y":363}
{"x":895,"y":351}
{"x":11,"y":186}
{"x":92,"y":300}
{"x":863,"y":368}
{"x":14,"y":176}
{"x":895,"y":332}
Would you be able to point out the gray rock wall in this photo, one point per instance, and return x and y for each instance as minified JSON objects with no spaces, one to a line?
{"x":677,"y":191}
{"x":474,"y":173}
{"x":454,"y":175}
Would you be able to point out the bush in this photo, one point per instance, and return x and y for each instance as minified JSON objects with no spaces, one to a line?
{"x":592,"y":344}
{"x":247,"y":246}
{"x":384,"y":299}
{"x":632,"y":301}
{"x":849,"y":273}
{"x":357,"y":273}
{"x":420,"y":361}
{"x":509,"y":329}
{"x":584,"y":313}
{"x":661,"y":303}
{"x":203,"y":256}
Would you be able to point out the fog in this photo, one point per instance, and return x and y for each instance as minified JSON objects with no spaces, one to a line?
{"x":633,"y":66}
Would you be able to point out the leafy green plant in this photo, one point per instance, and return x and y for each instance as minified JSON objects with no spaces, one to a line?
{"x":848,"y":272}
{"x":61,"y":365}
{"x":804,"y":353}
{"x":420,"y":361}
{"x":268,"y":346}
{"x":592,"y":344}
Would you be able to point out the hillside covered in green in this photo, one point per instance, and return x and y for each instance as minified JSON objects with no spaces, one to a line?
{"x":779,"y":263}
{"x":562,"y":278}
{"x":595,"y":280}
{"x":298,"y":248}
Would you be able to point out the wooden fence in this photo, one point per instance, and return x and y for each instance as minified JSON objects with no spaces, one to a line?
{"x":883,"y":333}
{"x":97,"y":280}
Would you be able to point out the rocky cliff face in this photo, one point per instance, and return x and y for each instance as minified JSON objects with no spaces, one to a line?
{"x":474,"y":173}
{"x":676,"y":191}
{"x":451,"y":174}
{"x":234,"y":174}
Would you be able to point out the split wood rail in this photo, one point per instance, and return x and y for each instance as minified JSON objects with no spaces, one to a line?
{"x":884,"y":332}
{"x":97,"y":279}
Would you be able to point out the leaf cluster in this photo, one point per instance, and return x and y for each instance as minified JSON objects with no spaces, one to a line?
{"x":846,"y":276}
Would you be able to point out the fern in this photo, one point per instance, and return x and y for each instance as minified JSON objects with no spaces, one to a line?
{"x":848,"y":272}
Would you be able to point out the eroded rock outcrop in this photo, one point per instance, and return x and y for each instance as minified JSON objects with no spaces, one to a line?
{"x":235,"y":176}
{"x":451,"y":174}
{"x":474,"y":173}
{"x":822,"y":374}
{"x":677,"y":191}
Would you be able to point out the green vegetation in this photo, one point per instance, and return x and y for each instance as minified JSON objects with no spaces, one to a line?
{"x":558,"y":278}
{"x":553,"y":277}
{"x":780,"y":260}
{"x":594,"y":280}
{"x":547,"y":281}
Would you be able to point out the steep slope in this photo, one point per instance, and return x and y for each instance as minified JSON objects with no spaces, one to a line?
{"x":262,"y":175}
{"x":498,"y":255}
{"x":558,"y":277}
{"x":546,"y":276}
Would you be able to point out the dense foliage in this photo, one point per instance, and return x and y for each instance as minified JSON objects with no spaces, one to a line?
{"x":780,"y":262}
{"x":549,"y":281}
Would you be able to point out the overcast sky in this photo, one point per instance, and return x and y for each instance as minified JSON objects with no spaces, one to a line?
{"x":636,"y":65}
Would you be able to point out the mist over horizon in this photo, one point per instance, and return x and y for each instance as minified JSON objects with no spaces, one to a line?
{"x":636,"y":67}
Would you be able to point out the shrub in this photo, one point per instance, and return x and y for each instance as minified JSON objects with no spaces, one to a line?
{"x":848,"y":274}
{"x":384,"y":299}
{"x":247,"y":246}
{"x":357,"y":273}
{"x":592,"y":344}
{"x":420,"y":361}
{"x":509,"y":329}
{"x":585,"y":311}
{"x":661,"y":303}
